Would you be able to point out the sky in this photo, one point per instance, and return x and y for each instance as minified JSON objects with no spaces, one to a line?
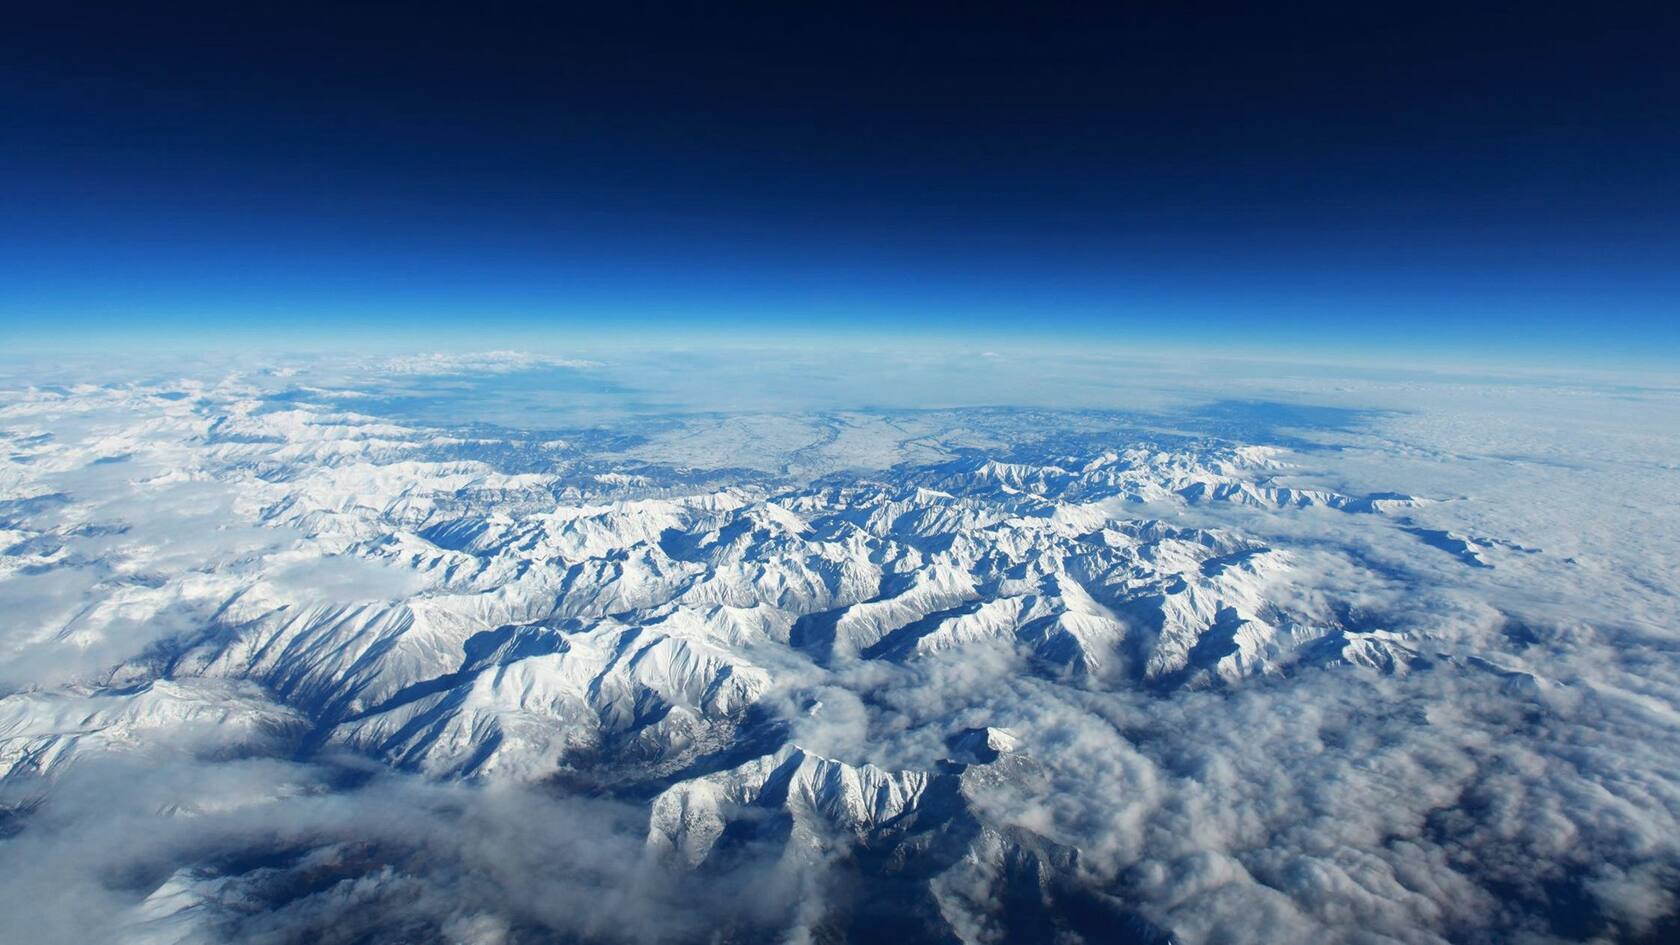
{"x":1465,"y":182}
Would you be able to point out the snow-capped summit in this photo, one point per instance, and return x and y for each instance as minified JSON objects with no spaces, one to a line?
{"x":957,"y":682}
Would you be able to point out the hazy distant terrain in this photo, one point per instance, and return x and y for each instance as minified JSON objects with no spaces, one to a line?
{"x":956,"y":647}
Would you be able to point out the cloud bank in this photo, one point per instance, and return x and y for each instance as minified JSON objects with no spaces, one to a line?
{"x":277,"y":671}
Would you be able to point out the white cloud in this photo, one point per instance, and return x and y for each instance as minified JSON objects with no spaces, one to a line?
{"x":486,"y":362}
{"x":1518,"y":785}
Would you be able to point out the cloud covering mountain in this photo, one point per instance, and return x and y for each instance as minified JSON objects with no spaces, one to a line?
{"x":287,"y":655}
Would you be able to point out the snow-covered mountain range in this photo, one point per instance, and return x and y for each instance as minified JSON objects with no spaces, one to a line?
{"x":1007,"y":676}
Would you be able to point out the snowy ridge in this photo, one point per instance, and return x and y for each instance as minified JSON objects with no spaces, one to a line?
{"x":751,"y":662}
{"x":527,"y":631}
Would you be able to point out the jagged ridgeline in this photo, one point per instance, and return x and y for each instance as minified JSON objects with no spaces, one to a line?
{"x":899,"y":695}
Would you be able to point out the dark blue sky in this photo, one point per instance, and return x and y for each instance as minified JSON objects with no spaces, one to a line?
{"x":1473,"y":180}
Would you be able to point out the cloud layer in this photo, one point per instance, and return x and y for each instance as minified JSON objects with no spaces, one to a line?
{"x":1458,"y":725}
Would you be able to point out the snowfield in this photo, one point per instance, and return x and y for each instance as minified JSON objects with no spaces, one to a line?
{"x":273,"y":669}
